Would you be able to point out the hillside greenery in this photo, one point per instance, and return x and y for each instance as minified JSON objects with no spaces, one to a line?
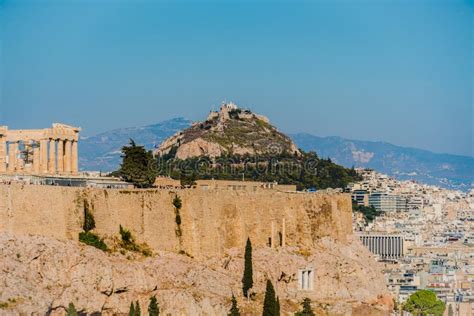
{"x":369,"y":212}
{"x":424,"y":303}
{"x":305,"y":171}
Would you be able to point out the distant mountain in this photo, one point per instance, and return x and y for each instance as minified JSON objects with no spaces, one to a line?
{"x":445,"y":170}
{"x":102,"y":152}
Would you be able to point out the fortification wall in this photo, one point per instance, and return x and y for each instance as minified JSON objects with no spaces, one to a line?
{"x":212,"y":221}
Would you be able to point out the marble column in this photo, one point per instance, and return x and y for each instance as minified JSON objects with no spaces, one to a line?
{"x":60,"y":156}
{"x":20,"y":163}
{"x":3,"y":155}
{"x":67,"y":156}
{"x":283,"y":233}
{"x":44,"y":156}
{"x":36,"y":158}
{"x":74,"y":158}
{"x":272,"y":239}
{"x":12,"y":149}
{"x":52,"y":156}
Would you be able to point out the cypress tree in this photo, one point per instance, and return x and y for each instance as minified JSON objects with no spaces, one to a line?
{"x":71,"y":310}
{"x":269,"y":303}
{"x":138,"y":311}
{"x":153,"y":307}
{"x":247,"y":279}
{"x":307,"y":310}
{"x":131,"y":312}
{"x":234,"y":309}
{"x":277,"y":307}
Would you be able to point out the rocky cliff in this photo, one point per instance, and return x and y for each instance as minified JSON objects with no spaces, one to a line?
{"x":230,"y":131}
{"x":43,"y":267}
{"x":41,"y":275}
{"x":211,"y":220}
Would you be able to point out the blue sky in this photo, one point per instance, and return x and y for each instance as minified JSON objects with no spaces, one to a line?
{"x":397,"y":71}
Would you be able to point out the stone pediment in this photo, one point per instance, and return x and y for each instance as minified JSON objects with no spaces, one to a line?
{"x":65,"y":126}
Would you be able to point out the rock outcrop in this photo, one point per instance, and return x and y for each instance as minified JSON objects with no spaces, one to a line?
{"x":230,"y":131}
{"x":40,"y":275}
{"x":212,"y":221}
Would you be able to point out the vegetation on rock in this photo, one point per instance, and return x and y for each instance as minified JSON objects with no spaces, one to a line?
{"x":423,"y":303}
{"x":89,"y":222}
{"x":177,"y":203}
{"x":153,"y":307}
{"x":128,"y":242}
{"x":307,"y":310}
{"x":234,"y":309}
{"x":369,"y":212}
{"x":247,"y":279}
{"x":91,"y":239}
{"x":305,"y":171}
{"x":87,"y":236}
{"x":71,"y":310}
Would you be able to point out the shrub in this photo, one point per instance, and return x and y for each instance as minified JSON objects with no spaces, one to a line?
{"x":71,"y":310}
{"x":126,"y":235}
{"x":93,"y":240}
{"x":89,"y":222}
{"x":177,"y":202}
{"x":128,"y":243}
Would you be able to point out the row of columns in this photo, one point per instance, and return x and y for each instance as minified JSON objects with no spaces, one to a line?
{"x":390,"y":247}
{"x":282,"y":235}
{"x":50,"y":156}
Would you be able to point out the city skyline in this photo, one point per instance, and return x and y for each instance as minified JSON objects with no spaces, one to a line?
{"x":374,"y":71}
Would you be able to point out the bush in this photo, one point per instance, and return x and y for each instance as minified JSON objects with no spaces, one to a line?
{"x":126,"y":235}
{"x":71,"y":310}
{"x":128,"y":243}
{"x":177,"y":202}
{"x":93,"y":240}
{"x":89,"y":222}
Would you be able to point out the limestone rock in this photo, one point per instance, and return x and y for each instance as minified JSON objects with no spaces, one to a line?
{"x":230,"y":131}
{"x":40,"y":275}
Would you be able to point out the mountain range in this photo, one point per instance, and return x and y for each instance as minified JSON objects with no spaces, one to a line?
{"x":102,"y":152}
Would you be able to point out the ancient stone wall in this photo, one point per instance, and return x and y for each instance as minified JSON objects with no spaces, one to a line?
{"x":211,"y":221}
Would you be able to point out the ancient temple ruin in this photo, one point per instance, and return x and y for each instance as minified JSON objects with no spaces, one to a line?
{"x":49,"y":151}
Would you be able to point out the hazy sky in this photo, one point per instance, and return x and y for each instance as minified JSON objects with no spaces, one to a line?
{"x":398,"y":71}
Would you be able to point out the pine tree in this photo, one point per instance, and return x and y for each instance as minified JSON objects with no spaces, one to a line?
{"x":247,"y":279}
{"x":131,"y":312}
{"x":71,"y":310}
{"x":269,"y":303}
{"x":138,"y":311}
{"x":137,"y":165}
{"x":307,"y":310}
{"x":234,"y":309}
{"x":153,"y":307}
